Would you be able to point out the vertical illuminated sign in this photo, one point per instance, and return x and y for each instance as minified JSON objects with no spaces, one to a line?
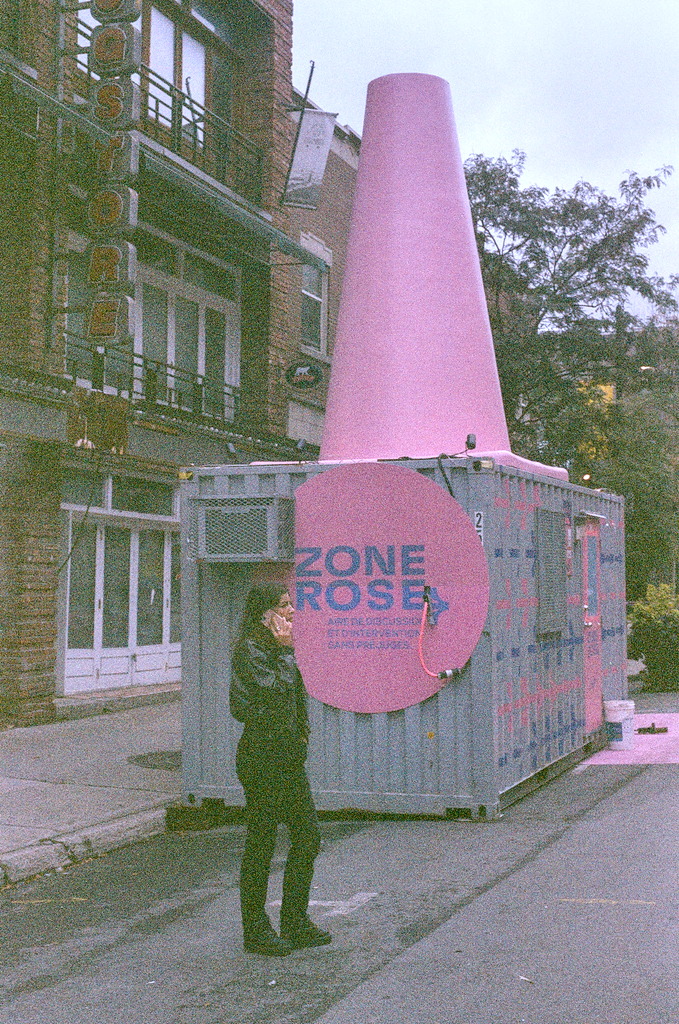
{"x":114,"y":56}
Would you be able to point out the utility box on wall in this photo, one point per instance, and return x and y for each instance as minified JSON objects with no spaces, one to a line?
{"x":552,"y":647}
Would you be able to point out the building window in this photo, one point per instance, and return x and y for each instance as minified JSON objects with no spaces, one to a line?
{"x":133,"y":495}
{"x":177,"y":60}
{"x":189,"y":334}
{"x":195,"y":63}
{"x":312,"y":308}
{"x":315,"y":297}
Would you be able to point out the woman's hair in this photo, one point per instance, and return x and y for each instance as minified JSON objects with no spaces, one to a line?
{"x":260,"y":598}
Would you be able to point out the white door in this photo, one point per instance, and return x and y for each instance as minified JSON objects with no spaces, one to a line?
{"x":122,"y":625}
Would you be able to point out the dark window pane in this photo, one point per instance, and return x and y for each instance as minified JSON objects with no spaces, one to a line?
{"x":83,"y":489}
{"x":175,"y":592}
{"x":551,"y":571}
{"x":156,"y":252}
{"x":116,"y":587}
{"x":215,"y":334}
{"x":312,"y":281}
{"x":186,"y":335}
{"x":150,"y":588}
{"x":132,"y":495}
{"x":81,"y":589}
{"x":154,"y":323}
{"x":311,"y":321}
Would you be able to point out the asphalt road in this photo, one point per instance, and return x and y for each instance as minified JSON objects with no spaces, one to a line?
{"x":564,"y":911}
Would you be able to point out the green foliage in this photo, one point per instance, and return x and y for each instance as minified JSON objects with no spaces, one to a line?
{"x":586,"y":384}
{"x":559,"y":269}
{"x":654,"y":636}
{"x":639,"y":462}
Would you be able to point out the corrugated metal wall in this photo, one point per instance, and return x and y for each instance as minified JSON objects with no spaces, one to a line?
{"x":517,"y":707}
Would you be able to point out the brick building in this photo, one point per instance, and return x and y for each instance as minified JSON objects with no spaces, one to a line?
{"x":230,"y":298}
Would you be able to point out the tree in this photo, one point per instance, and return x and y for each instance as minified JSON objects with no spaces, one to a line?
{"x":640,"y":461}
{"x":559,"y":269}
{"x":586,"y":384}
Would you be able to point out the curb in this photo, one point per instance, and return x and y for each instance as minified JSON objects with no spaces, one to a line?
{"x":63,"y":850}
{"x":110,"y":701}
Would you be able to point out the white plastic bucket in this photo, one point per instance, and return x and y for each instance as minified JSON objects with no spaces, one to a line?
{"x":619,"y":718}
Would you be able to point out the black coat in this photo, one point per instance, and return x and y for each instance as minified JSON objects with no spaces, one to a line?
{"x":267,"y":694}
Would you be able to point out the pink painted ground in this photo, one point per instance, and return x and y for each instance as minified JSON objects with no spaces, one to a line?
{"x":662,"y":748}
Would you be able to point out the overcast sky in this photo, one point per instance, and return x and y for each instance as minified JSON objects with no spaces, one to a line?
{"x":588,"y":89}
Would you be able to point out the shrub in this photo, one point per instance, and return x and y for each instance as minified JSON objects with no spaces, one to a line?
{"x":654,"y":636}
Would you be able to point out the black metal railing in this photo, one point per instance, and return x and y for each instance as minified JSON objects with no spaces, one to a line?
{"x":149,"y":384}
{"x":177,"y":121}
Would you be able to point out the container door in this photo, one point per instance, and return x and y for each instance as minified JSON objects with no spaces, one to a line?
{"x":591,"y":601}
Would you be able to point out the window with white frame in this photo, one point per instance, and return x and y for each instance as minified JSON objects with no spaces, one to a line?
{"x":189,"y":330}
{"x":123,"y":566}
{"x":187,"y":337}
{"x":182,"y":55}
{"x":315,"y":297}
{"x":178,"y":59}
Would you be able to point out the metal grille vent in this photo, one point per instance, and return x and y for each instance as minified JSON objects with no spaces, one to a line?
{"x":244,"y":529}
{"x":552,"y":607}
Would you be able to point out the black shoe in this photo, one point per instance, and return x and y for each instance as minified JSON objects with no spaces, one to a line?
{"x":304,"y":934}
{"x":267,"y":943}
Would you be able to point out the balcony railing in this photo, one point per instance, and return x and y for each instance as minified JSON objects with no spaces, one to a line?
{"x":184,"y":126}
{"x":174,"y":119}
{"x":150,"y":385}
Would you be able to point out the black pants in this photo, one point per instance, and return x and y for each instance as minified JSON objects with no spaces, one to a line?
{"x":275,"y":793}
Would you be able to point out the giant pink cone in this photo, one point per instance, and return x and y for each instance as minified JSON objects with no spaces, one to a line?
{"x":414,"y":367}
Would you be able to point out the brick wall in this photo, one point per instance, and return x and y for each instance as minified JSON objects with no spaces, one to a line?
{"x":30,"y":550}
{"x":283,"y":333}
{"x":330,"y":224}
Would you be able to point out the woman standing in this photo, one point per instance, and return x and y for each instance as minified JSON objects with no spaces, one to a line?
{"x":268,"y":696}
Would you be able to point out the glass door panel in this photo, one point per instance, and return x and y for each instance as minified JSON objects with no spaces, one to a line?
{"x":150,"y":587}
{"x":193,"y":73}
{"x":115,"y":626}
{"x":161,"y":62}
{"x":154,"y":343}
{"x":81,"y":599}
{"x":215,"y":338}
{"x":186,"y":355}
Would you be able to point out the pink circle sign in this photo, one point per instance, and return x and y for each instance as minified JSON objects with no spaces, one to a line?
{"x":370,"y":537}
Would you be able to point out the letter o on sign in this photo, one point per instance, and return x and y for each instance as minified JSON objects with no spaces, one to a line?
{"x":110,"y":45}
{"x":106,"y":209}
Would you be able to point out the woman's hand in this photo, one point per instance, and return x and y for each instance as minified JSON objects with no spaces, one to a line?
{"x":280,"y":628}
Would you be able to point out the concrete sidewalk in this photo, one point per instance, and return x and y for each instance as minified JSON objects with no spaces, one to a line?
{"x":77,"y":788}
{"x":80,"y":787}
